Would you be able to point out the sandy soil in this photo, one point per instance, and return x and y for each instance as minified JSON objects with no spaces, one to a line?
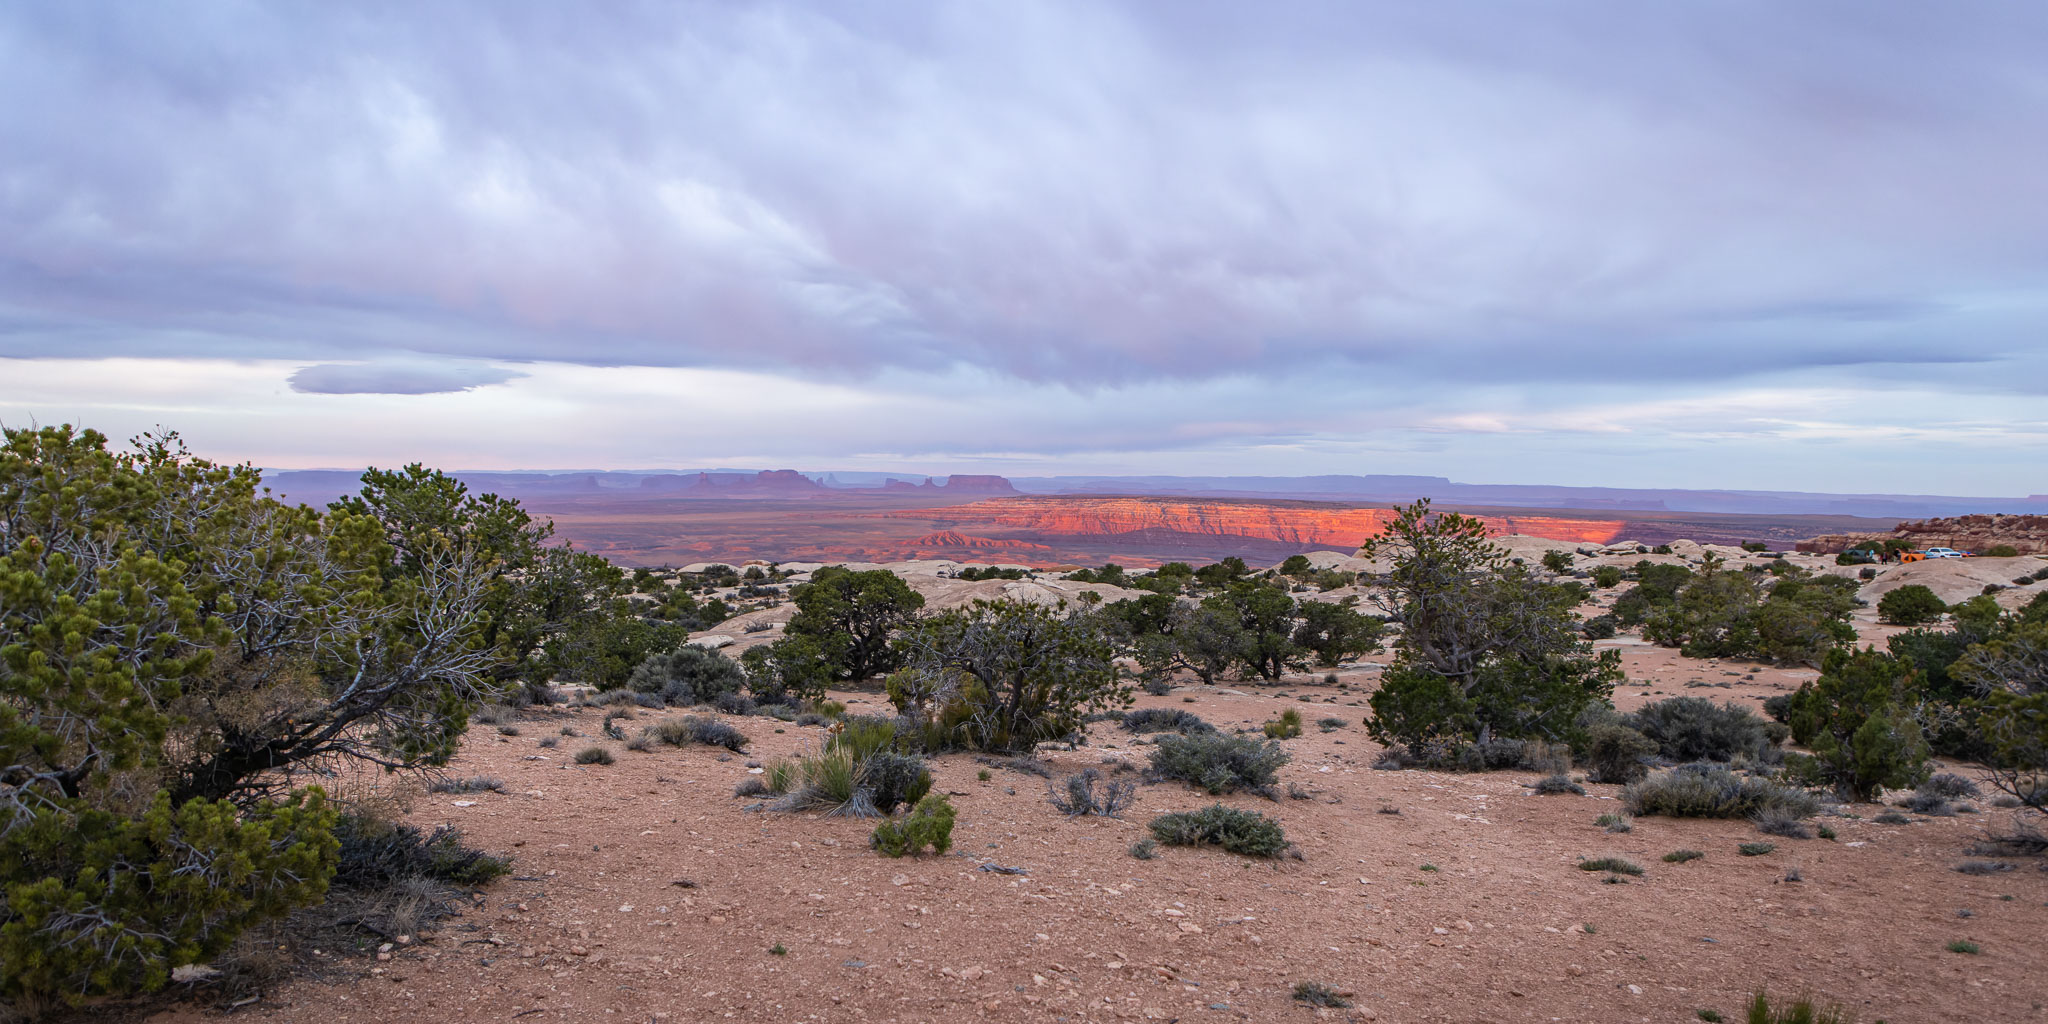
{"x":646,"y":892}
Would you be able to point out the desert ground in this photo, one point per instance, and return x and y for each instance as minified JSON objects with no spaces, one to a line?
{"x":645,"y":891}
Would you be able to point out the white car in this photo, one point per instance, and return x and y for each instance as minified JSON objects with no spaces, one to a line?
{"x":1946,"y":553}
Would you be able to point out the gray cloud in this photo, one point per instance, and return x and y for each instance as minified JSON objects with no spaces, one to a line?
{"x":392,"y":377}
{"x":1393,"y":200}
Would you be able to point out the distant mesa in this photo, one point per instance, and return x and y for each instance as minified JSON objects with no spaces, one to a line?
{"x":958,"y":483}
{"x":769,"y":483}
{"x":951,"y":539}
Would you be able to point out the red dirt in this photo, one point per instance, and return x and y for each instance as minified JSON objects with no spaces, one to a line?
{"x":597,"y":927}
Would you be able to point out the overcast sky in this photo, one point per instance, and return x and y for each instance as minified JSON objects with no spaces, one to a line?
{"x":1713,"y":244}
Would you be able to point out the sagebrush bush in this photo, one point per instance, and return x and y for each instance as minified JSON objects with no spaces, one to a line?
{"x":1711,"y":791}
{"x":1247,"y":833}
{"x":689,"y":729}
{"x":1781,"y":821}
{"x":1165,"y":720}
{"x":1318,"y":994}
{"x":1076,"y":795}
{"x":1695,"y":729}
{"x":1557,"y":785}
{"x":1948,"y":786}
{"x":1616,"y":753}
{"x":893,"y":780}
{"x":686,"y":676}
{"x":594,"y":755}
{"x":930,"y":823}
{"x":1217,"y":763}
{"x":1615,"y":865}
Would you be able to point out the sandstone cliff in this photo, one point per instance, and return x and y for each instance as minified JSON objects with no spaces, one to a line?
{"x":1306,"y":526}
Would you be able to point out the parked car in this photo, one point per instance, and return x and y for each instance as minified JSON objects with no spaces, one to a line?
{"x":1946,"y":553}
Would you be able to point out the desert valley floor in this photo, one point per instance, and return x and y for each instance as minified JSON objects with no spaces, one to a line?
{"x":645,"y":891}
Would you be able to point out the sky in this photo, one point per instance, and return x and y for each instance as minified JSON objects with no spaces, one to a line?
{"x":1717,"y":244}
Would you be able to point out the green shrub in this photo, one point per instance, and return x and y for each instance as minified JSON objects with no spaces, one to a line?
{"x":893,"y":780}
{"x":1557,"y":785}
{"x":1681,"y":856}
{"x":1145,"y":849}
{"x":1317,"y":994}
{"x":1708,"y":791}
{"x":1755,"y":849}
{"x":1146,"y":720}
{"x":1220,"y":764}
{"x":1557,"y":561}
{"x":1615,"y":753}
{"x":864,"y":735}
{"x":1331,"y":724}
{"x":1694,"y":729}
{"x":1287,"y":727}
{"x":1964,"y":946}
{"x":1241,"y":832}
{"x":1855,"y":720}
{"x":711,"y":732}
{"x":1599,"y":627}
{"x":2000,"y":551}
{"x":1614,"y":864}
{"x":1799,"y":1011}
{"x":1615,"y":822}
{"x":930,"y":823}
{"x":1607,"y":576}
{"x":1413,"y":707}
{"x":372,"y":852}
{"x":594,"y":755}
{"x":1910,"y":605}
{"x":686,"y":676}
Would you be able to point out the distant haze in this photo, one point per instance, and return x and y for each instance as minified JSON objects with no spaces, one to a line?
{"x":1743,"y":246}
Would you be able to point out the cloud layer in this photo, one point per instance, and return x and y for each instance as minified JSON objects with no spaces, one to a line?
{"x":1461,"y":217}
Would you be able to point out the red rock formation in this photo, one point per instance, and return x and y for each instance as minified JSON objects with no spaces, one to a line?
{"x":950,"y":539}
{"x":2025,"y":533}
{"x":1302,"y":524}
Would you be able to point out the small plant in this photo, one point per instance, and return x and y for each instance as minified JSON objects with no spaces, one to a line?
{"x":1964,"y":946}
{"x":1794,"y":875}
{"x":1286,"y":727}
{"x":1755,"y":849}
{"x":508,"y":730}
{"x":1077,"y":797}
{"x":1558,"y":785}
{"x":1615,"y":822}
{"x":1710,"y":1016}
{"x":1165,"y":720}
{"x":476,"y":784}
{"x":1892,"y":818}
{"x":1220,"y":764}
{"x":1158,"y":687}
{"x":1711,"y":791}
{"x":688,"y":729}
{"x":549,"y":742}
{"x":1317,"y":994}
{"x":1824,"y":832}
{"x":1799,"y":1011}
{"x":1331,"y":724}
{"x":930,"y":823}
{"x":594,"y":755}
{"x":1615,"y":865}
{"x":1681,"y":856}
{"x":984,"y":775}
{"x":1983,"y":867}
{"x":779,"y":949}
{"x":1777,"y":821}
{"x":1429,"y":867}
{"x":1242,"y":832}
{"x":1145,"y":849}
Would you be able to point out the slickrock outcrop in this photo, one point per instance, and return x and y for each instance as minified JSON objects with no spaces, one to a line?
{"x":2026,"y":533}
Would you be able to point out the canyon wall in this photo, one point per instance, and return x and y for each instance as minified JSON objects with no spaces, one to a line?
{"x":1302,"y":525}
